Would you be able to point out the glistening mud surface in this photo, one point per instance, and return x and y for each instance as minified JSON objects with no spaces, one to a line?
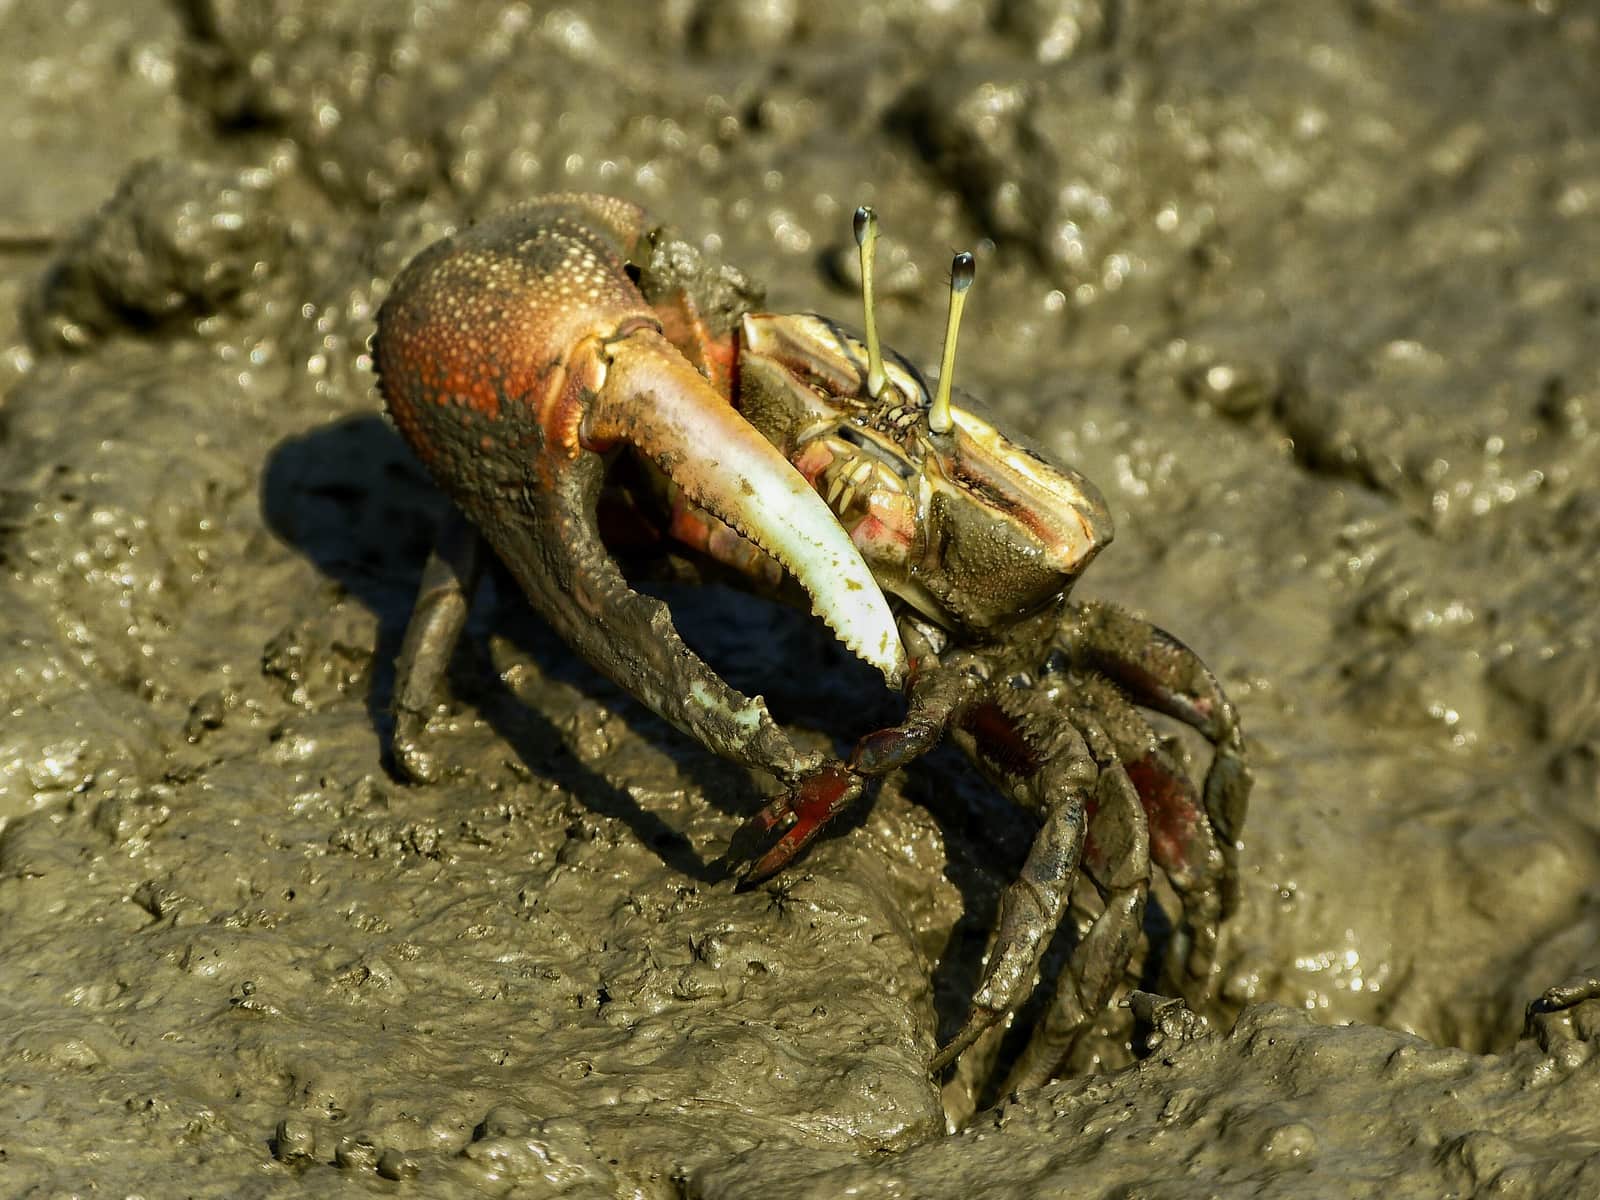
{"x":1307,"y":289}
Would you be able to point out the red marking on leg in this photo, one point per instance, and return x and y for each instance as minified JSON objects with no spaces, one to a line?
{"x":1172,"y":807}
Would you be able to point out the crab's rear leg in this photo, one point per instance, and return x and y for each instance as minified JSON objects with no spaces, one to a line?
{"x":1181,"y":839}
{"x":1161,"y":673}
{"x":443,"y":598}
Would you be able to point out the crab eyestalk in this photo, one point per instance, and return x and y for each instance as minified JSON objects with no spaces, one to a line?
{"x":866,"y":229}
{"x":962,"y":270}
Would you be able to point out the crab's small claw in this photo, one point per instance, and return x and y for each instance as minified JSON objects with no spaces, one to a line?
{"x":775,"y":836}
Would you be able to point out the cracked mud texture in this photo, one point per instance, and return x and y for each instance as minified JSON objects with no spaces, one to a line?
{"x":1307,"y":289}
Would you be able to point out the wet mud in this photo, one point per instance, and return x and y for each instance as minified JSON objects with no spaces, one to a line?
{"x":1307,"y":289}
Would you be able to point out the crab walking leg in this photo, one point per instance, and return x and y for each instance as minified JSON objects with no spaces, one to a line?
{"x":1031,"y":907}
{"x":1163,"y":674}
{"x":448,"y":582}
{"x":1183,"y":846}
{"x":786,"y":825}
{"x":1117,"y":858}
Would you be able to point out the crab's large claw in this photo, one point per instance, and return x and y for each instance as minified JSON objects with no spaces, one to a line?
{"x":512,"y":357}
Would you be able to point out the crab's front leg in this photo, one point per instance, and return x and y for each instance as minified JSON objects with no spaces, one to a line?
{"x":515,"y":358}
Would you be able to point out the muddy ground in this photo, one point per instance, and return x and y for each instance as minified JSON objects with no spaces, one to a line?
{"x":1309,"y":289}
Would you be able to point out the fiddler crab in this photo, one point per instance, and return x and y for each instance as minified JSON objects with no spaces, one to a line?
{"x":519,"y":358}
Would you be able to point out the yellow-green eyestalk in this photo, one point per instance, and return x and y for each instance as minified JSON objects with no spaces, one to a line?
{"x":866,"y":227}
{"x":962,"y":270}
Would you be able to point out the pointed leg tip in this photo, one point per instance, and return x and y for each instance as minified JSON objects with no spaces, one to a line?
{"x":752,"y":862}
{"x":747,"y":870}
{"x":739,"y":861}
{"x":774,"y":837}
{"x":747,"y":880}
{"x":976,"y":1024}
{"x":723,"y":869}
{"x":741,"y":877}
{"x":761,"y":847}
